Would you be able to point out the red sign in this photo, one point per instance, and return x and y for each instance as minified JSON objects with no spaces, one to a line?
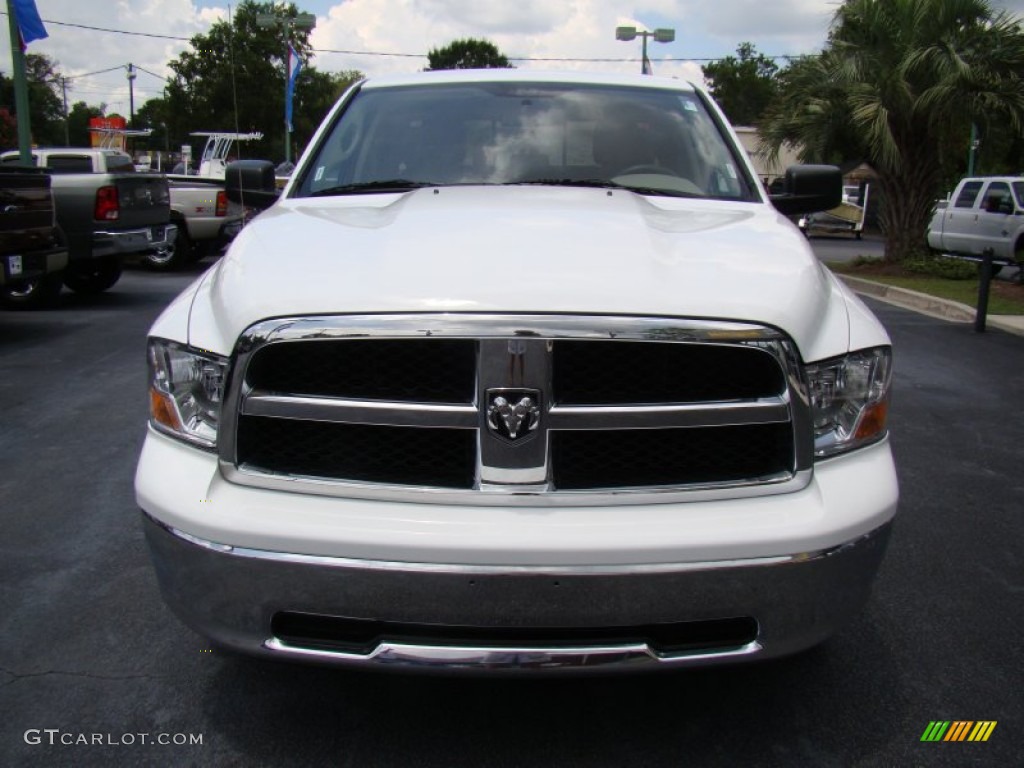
{"x":115,"y":123}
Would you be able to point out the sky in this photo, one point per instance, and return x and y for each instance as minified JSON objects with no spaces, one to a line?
{"x":366,"y":35}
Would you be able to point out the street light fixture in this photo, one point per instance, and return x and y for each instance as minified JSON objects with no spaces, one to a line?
{"x":660,"y":35}
{"x":303,"y":21}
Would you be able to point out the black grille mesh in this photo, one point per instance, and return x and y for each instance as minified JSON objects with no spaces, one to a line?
{"x":404,"y":455}
{"x":652,"y":457}
{"x":419,"y":370}
{"x":582,"y":373}
{"x":617,"y":372}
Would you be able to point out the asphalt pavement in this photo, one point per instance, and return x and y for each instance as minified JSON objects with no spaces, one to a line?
{"x":90,"y":655}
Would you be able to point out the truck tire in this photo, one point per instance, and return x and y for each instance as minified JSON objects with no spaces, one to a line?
{"x":177,"y":255}
{"x":32,"y":294}
{"x":92,"y":277}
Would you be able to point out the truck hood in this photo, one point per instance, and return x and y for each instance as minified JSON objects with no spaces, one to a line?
{"x":522,"y":250}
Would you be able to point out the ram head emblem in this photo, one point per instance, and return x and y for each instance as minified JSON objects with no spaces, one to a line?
{"x":513,"y":414}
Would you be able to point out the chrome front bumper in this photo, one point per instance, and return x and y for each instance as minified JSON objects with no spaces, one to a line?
{"x":237,"y":596}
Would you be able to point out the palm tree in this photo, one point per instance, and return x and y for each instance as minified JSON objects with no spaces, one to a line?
{"x":905,"y":79}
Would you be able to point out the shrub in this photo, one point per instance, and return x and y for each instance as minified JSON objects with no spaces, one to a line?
{"x":942,"y":266}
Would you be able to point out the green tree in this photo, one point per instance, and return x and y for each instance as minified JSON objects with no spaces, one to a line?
{"x":821,"y":125}
{"x":78,"y":123}
{"x":45,"y":105}
{"x":743,"y":85}
{"x":467,"y":54}
{"x":909,"y":76}
{"x":242,"y":63}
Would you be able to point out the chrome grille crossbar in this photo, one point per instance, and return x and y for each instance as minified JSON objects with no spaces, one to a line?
{"x":343,"y":411}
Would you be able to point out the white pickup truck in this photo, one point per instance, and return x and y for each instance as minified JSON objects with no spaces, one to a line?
{"x":522,"y":371}
{"x":206,"y":221}
{"x":982,"y":213}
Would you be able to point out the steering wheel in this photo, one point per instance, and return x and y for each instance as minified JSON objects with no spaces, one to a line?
{"x":646,"y":168}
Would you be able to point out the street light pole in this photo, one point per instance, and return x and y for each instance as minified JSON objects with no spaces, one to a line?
{"x":660,"y":35}
{"x":303,"y":21}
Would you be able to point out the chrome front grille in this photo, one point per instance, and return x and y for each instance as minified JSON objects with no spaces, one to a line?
{"x":516,"y":409}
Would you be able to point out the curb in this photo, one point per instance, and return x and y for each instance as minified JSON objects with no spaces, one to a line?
{"x":943,"y":309}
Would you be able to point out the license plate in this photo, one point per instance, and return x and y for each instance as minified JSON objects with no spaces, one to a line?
{"x":14,"y":265}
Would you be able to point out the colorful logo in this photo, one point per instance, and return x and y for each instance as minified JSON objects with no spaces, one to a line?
{"x":958,"y":730}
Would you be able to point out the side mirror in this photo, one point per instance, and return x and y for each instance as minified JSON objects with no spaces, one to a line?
{"x":808,"y":189}
{"x":251,"y":183}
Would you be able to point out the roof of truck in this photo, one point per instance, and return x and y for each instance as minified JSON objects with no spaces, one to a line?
{"x":526,"y":76}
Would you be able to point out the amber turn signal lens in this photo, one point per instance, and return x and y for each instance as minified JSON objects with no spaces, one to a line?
{"x":162,"y":411}
{"x":872,"y":422}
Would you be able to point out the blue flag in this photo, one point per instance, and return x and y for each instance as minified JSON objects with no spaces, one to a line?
{"x":29,"y":23}
{"x":294,"y":65}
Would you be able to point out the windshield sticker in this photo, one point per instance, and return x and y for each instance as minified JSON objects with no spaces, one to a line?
{"x":689,"y":106}
{"x":731,"y":170}
{"x":319,"y":173}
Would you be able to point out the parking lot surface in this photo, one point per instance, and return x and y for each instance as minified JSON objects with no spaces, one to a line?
{"x":89,"y":652}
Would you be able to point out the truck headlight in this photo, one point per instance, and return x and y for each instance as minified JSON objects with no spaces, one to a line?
{"x":850,"y":400}
{"x":185,"y":389}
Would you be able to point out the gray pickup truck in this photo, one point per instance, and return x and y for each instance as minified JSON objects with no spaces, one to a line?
{"x":106,"y":212}
{"x":32,"y":254}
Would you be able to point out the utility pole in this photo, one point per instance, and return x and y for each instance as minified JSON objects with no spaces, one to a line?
{"x":131,"y":95}
{"x":64,"y":92}
{"x":20,"y":88}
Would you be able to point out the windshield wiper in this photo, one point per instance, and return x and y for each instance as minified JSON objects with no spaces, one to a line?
{"x":384,"y":185}
{"x":607,"y":184}
{"x":553,"y":182}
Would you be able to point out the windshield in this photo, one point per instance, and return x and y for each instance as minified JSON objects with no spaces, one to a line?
{"x":653,"y":140}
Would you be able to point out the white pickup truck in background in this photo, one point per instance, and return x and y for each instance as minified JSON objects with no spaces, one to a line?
{"x":206,"y":221}
{"x":982,"y":213}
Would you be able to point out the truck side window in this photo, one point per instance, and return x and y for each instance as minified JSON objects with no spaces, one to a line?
{"x":1018,"y":192}
{"x":968,"y":194}
{"x":117,"y":164}
{"x":69,"y":164}
{"x":997,"y":197}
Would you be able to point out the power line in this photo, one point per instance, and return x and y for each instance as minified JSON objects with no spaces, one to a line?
{"x":153,"y":74}
{"x":98,"y":72}
{"x":789,"y":57}
{"x":115,"y":31}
